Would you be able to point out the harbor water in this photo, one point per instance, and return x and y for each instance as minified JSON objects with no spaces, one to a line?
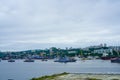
{"x":20,"y":70}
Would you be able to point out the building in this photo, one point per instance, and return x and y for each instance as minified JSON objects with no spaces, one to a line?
{"x":72,"y":52}
{"x":101,"y":51}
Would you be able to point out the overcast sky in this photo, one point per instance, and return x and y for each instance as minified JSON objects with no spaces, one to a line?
{"x":36,"y":24}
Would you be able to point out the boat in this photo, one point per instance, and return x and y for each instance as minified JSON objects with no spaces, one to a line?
{"x":28,"y":60}
{"x":44,"y":59}
{"x":5,"y":58}
{"x":115,"y":60}
{"x":65,"y":60}
{"x":10,"y":79}
{"x":106,"y":58}
{"x":11,"y":60}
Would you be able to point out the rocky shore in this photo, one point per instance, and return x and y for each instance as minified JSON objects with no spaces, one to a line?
{"x":67,"y":76}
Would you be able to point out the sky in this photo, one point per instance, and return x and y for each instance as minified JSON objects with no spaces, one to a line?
{"x":40,"y":24}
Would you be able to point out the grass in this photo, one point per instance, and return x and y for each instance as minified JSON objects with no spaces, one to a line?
{"x":49,"y":77}
{"x":57,"y":77}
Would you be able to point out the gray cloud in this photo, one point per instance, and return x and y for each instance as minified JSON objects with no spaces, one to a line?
{"x":28,"y":24}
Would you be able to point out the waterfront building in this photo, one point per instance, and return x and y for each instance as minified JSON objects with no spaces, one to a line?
{"x":101,"y":51}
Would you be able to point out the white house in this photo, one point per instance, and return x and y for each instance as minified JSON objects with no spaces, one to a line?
{"x":101,"y":51}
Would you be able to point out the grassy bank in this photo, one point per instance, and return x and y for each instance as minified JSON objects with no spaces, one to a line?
{"x":67,"y":76}
{"x":52,"y":77}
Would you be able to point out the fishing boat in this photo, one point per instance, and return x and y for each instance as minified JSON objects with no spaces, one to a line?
{"x":65,"y":59}
{"x":115,"y":60}
{"x":11,"y":60}
{"x":28,"y":60}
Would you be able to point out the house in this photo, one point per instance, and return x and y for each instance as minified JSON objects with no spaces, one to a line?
{"x":101,"y":51}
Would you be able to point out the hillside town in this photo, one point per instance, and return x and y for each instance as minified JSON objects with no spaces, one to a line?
{"x":99,"y":51}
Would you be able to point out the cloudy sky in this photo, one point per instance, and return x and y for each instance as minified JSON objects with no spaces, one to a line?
{"x":35,"y":24}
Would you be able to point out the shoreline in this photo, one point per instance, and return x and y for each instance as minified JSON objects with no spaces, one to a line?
{"x":98,"y":73}
{"x":79,"y":76}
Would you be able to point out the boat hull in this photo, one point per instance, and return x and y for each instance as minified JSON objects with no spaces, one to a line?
{"x":29,"y":60}
{"x":65,"y":60}
{"x":117,"y":60}
{"x":11,"y":60}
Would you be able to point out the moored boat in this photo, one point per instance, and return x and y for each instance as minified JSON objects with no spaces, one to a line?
{"x":115,"y":60}
{"x":106,"y":58}
{"x":29,"y":60}
{"x":44,"y":59}
{"x":65,"y":60}
{"x":11,"y":60}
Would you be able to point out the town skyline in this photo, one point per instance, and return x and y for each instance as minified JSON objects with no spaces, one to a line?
{"x":67,"y":47}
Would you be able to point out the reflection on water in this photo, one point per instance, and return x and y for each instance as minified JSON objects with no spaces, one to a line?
{"x":20,"y":70}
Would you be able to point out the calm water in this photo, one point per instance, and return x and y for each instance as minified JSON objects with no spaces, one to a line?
{"x":20,"y":70}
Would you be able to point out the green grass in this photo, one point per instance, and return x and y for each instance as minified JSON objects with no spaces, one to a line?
{"x":49,"y":77}
{"x":55,"y":76}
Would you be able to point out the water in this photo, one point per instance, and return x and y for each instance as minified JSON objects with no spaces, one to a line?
{"x":20,"y":70}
